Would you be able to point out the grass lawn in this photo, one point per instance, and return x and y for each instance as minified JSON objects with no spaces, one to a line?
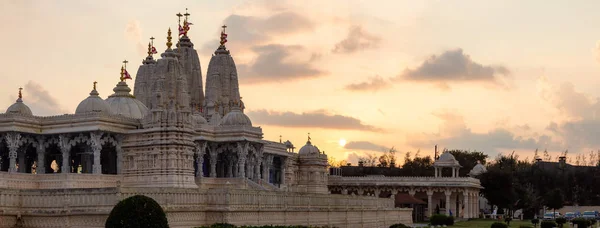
{"x":487,"y":223}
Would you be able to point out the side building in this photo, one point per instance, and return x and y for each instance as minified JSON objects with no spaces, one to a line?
{"x":425,"y":195}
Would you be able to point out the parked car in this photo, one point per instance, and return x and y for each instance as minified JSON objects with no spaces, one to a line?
{"x":570,"y":215}
{"x":552,"y":215}
{"x":590,"y":214}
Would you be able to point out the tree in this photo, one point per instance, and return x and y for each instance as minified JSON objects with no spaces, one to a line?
{"x":369,"y":159}
{"x":419,"y":166}
{"x":554,"y":199}
{"x":547,"y":156}
{"x":137,"y":211}
{"x":468,"y":160}
{"x":407,"y":157}
{"x":498,"y":188}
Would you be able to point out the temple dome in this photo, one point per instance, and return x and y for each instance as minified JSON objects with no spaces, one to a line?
{"x":93,"y":103}
{"x":235,"y":118}
{"x":478,"y":169}
{"x":125,"y":104}
{"x":446,"y":159}
{"x":309,"y":149}
{"x":19,"y":107}
{"x":198,"y":119}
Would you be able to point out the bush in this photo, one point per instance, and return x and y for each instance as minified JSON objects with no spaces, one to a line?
{"x":548,"y":224}
{"x":438,"y":220}
{"x":449,"y":221}
{"x":507,"y":220}
{"x":535,"y":222}
{"x":399,"y":225}
{"x":222,"y":225}
{"x":581,"y":222}
{"x":137,"y":211}
{"x":499,"y":225}
{"x":560,"y":221}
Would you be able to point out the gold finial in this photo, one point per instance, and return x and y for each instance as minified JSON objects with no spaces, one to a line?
{"x":169,"y":39}
{"x":149,"y":49}
{"x":309,"y":136}
{"x":95,"y":85}
{"x":122,"y":74}
{"x":279,"y":138}
{"x":20,"y":93}
{"x":125,"y":63}
{"x":186,"y":14}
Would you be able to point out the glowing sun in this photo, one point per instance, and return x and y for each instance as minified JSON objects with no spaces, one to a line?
{"x":342,"y":142}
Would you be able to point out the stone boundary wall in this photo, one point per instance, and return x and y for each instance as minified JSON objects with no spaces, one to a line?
{"x":196,"y":207}
{"x":57,"y":180}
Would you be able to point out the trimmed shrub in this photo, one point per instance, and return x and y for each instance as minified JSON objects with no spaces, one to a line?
{"x":137,"y":211}
{"x":560,"y":221}
{"x":449,"y":221}
{"x":222,"y":225}
{"x":399,"y":225}
{"x":438,"y":220}
{"x":499,"y":225}
{"x":535,"y":222}
{"x":548,"y":224}
{"x":581,"y":222}
{"x":507,"y":220}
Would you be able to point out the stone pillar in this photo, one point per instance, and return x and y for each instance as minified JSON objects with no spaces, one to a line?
{"x":230,"y":168}
{"x":377,"y":192}
{"x":284,"y":161}
{"x":467,"y":210}
{"x":64,"y":143}
{"x":22,"y":163}
{"x":257,"y":176}
{"x":96,"y":146}
{"x":242,"y":154}
{"x":200,"y":150}
{"x":250,"y":169}
{"x":213,"y":161}
{"x":448,"y":193}
{"x":13,"y":141}
{"x":435,"y":170}
{"x":40,"y":149}
{"x":119,"y":150}
{"x":268,"y":161}
{"x":430,"y":202}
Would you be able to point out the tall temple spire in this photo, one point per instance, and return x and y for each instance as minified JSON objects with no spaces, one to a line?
{"x":20,"y":92}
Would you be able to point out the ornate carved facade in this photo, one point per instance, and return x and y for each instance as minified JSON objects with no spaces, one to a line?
{"x":204,"y":162}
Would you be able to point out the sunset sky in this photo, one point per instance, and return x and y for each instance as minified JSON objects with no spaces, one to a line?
{"x":493,"y":76}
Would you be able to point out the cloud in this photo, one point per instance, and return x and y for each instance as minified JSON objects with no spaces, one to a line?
{"x":133,"y":32}
{"x":357,"y":40}
{"x":579,"y":125}
{"x":597,"y":51}
{"x":313,"y":119}
{"x":274,"y":64}
{"x":455,"y":66}
{"x":364,"y":145}
{"x":249,"y":31}
{"x":372,"y":84}
{"x":39,"y":100}
{"x":454,"y":133}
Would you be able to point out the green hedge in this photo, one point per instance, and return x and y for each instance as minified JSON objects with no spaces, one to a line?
{"x":548,"y":224}
{"x":225,"y":225}
{"x":137,"y":211}
{"x":399,"y":225}
{"x":440,"y":220}
{"x":499,"y":225}
{"x":583,"y":223}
